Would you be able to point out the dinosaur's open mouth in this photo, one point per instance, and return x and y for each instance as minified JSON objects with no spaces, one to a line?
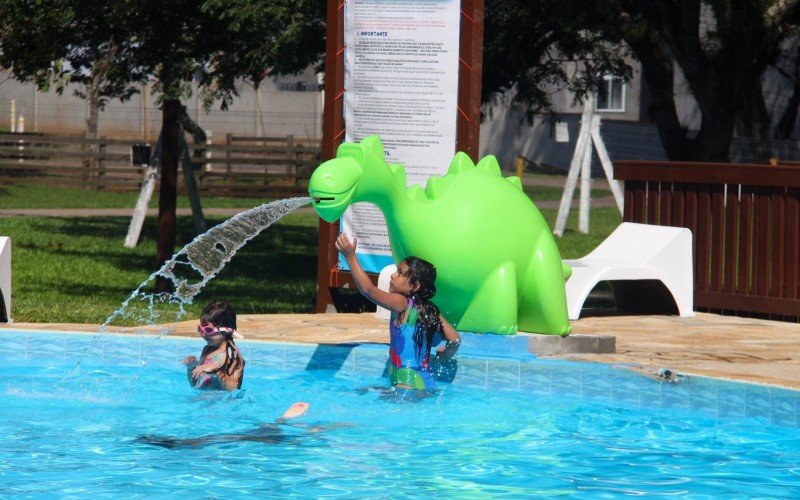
{"x":331,"y":206}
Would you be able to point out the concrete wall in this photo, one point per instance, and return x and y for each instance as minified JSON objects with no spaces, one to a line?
{"x":296,"y":112}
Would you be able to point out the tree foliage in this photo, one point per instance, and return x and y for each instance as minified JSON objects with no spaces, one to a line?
{"x":535,"y":49}
{"x":109,"y":48}
{"x":722,"y":48}
{"x":82,"y":43}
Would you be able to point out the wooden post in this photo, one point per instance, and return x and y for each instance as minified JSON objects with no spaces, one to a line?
{"x":101,"y":164}
{"x":168,"y":193}
{"x":190,"y":182}
{"x":332,"y":136}
{"x":467,"y":125}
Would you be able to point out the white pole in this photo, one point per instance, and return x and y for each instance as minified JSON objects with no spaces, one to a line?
{"x":140,"y":210}
{"x":605,"y":161}
{"x":569,"y":186}
{"x":586,"y":171}
{"x":5,"y":276}
{"x":208,"y":152}
{"x":319,"y":104}
{"x":12,"y":125}
{"x":586,"y":187}
{"x":582,"y":145}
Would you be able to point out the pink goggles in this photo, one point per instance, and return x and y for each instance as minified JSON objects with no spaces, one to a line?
{"x":208,"y":331}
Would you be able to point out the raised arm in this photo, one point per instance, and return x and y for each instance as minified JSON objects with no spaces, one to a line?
{"x":392,"y":301}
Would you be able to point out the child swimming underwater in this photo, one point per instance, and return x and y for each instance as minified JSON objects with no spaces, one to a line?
{"x":264,"y":433}
{"x":416,"y":325}
{"x":221,"y":365}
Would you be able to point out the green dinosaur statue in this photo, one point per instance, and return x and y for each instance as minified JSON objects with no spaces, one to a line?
{"x":498,"y":267}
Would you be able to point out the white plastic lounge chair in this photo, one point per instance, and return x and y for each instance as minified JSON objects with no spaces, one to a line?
{"x":631,"y":259}
{"x":5,"y":279}
{"x":383,"y":284}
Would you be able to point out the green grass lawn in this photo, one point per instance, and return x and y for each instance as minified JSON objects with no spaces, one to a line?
{"x":28,"y":195}
{"x":550,"y":193}
{"x":77,"y":269}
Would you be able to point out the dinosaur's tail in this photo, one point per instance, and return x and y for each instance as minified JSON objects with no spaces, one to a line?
{"x":566,"y":270}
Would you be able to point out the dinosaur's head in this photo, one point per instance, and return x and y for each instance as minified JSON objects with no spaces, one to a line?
{"x":332,"y":186}
{"x":353,"y":176}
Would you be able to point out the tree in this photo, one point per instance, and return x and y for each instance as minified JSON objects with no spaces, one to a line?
{"x":789,"y":67}
{"x":266,"y":45}
{"x":534,"y":49}
{"x":722,"y":48}
{"x":80,"y":43}
{"x":113,"y":45}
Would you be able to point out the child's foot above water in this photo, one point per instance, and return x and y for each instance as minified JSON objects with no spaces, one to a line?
{"x":294,"y":411}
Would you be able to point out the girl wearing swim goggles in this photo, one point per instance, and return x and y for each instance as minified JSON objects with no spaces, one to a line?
{"x":221,"y":365}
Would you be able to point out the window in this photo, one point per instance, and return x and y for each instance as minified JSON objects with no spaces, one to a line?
{"x":611,"y":94}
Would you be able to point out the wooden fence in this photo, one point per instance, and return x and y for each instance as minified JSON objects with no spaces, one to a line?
{"x":241,"y":166}
{"x":745,"y":221}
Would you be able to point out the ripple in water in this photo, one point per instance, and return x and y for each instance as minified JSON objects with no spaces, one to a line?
{"x":195,"y":265}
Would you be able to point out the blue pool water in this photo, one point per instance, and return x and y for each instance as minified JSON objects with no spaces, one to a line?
{"x":78,"y":410}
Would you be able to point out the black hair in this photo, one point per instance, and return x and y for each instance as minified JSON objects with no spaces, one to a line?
{"x":222,"y":315}
{"x":422,"y":278}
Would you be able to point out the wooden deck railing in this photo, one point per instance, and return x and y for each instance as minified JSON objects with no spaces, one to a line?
{"x":241,"y":166}
{"x":745,"y":222}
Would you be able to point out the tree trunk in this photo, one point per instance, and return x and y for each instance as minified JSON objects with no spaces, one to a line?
{"x":659,"y":75}
{"x":785,"y":127}
{"x":168,"y":193}
{"x":93,"y":119}
{"x":789,"y":117}
{"x":713,"y":141}
{"x":722,"y":49}
{"x":754,"y":120}
{"x":262,"y":129}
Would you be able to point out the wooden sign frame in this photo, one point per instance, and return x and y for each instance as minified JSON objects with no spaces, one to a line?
{"x":329,"y":276}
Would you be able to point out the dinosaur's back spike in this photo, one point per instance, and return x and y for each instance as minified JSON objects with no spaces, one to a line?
{"x":416,"y":193}
{"x":372,"y":145}
{"x":461,"y":163}
{"x":513,"y":179}
{"x":399,"y":173}
{"x":489,"y":165}
{"x":351,"y":150}
{"x":437,"y":186}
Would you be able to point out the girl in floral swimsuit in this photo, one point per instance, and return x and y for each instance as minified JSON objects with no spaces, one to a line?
{"x":416,"y":324}
{"x":221,"y":365}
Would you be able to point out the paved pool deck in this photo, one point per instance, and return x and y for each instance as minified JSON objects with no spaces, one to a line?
{"x":727,"y":347}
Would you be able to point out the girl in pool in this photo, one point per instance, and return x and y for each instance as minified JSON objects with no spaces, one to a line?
{"x":221,"y":365}
{"x":416,"y":325}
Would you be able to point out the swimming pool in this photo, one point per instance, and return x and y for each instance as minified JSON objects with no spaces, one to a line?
{"x":78,"y":411}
